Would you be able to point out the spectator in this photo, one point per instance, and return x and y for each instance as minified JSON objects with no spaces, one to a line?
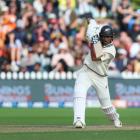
{"x":78,"y":62}
{"x":43,"y":55}
{"x":124,"y":12}
{"x":38,"y":5}
{"x":125,"y":41}
{"x":6,"y":67}
{"x":15,"y":51}
{"x":80,"y":47}
{"x":135,"y":31}
{"x":135,"y":48}
{"x":54,"y":46}
{"x":7,"y":23}
{"x":137,"y":63}
{"x":43,"y":26}
{"x":64,"y":54}
{"x":61,"y":66}
{"x":114,"y":6}
{"x":102,"y":8}
{"x":129,"y":69}
{"x":121,"y":60}
{"x":37,"y":67}
{"x":29,"y":61}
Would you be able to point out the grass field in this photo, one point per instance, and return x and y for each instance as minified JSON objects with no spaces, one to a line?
{"x":56,"y":124}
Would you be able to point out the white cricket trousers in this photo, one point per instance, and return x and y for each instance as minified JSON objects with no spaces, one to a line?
{"x":85,"y":79}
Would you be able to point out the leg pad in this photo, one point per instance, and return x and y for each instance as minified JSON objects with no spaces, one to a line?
{"x":111,"y":113}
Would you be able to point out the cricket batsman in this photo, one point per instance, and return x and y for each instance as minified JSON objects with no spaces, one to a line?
{"x":94,"y":73}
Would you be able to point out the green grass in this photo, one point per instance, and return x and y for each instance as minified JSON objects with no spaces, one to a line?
{"x":63,"y":116}
{"x":96,"y":135}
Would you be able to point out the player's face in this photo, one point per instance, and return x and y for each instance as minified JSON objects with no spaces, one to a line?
{"x":106,"y":40}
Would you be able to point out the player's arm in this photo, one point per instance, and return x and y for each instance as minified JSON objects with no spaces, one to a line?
{"x":93,"y":53}
{"x":105,"y":57}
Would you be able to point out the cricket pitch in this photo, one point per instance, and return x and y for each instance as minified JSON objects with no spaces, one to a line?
{"x":56,"y":128}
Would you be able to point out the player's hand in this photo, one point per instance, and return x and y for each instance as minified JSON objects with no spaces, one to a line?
{"x":95,"y":39}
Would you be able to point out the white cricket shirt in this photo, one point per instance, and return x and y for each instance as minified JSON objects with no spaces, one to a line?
{"x":101,"y":66}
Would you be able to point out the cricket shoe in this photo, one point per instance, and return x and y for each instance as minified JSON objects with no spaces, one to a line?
{"x":79,"y":124}
{"x":117,"y":123}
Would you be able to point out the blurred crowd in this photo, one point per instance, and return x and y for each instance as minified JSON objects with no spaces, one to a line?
{"x":49,"y":35}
